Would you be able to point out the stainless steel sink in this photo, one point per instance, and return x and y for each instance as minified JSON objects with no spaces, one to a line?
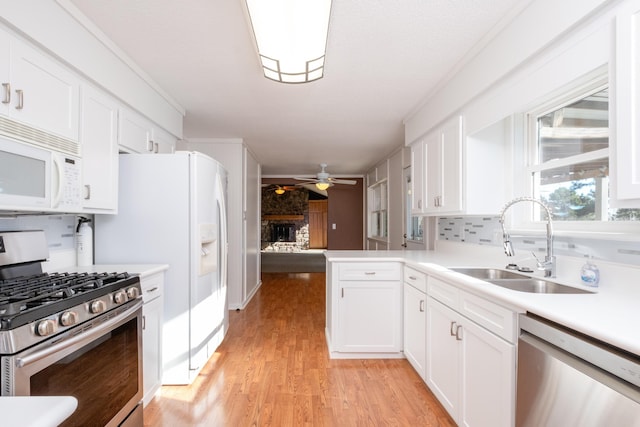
{"x":538,"y":286}
{"x":489,"y":273}
{"x":518,"y":282}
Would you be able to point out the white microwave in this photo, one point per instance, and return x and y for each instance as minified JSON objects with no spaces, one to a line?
{"x":36,"y":179}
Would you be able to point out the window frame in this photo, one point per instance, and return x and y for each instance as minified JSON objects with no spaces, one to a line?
{"x":522,"y":216}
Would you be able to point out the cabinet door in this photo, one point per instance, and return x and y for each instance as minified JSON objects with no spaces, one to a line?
{"x":134,"y":132}
{"x":370,"y":316}
{"x":151,"y":342}
{"x":415,"y":323}
{"x":450,"y":198}
{"x":433,"y":171}
{"x":163,"y":142}
{"x":417,"y":177}
{"x":627,"y":99}
{"x":488,"y":378}
{"x":5,"y":53}
{"x":99,"y":140}
{"x":443,"y":355}
{"x":44,"y":94}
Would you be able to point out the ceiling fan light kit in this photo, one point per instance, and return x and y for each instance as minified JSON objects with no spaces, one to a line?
{"x":291,"y":36}
{"x":323,"y":180}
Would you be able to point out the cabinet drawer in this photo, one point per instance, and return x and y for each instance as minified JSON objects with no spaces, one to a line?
{"x":443,"y":292}
{"x":415,"y":278}
{"x":152,"y":287}
{"x":493,"y":317}
{"x":370,"y":271}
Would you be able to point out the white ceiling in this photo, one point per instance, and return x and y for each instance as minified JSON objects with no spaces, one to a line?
{"x":384,"y":57}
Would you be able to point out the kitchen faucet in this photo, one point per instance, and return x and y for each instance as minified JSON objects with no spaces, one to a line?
{"x":549,"y":263}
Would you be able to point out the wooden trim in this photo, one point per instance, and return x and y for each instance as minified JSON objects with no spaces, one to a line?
{"x":283,"y":217}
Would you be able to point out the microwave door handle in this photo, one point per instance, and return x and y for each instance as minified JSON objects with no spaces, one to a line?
{"x":57,"y":163}
{"x":80,"y":339}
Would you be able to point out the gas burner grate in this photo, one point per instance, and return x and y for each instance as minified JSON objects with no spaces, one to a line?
{"x":23,"y":294}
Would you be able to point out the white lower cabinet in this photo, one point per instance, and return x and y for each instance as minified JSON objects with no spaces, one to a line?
{"x":470,"y":369}
{"x":364,"y":309}
{"x":415,"y":319}
{"x":152,"y":313}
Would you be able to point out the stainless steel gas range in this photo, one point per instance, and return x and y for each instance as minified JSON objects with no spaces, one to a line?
{"x":70,"y":334}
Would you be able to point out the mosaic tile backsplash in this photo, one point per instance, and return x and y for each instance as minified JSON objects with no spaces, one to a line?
{"x":487,"y":231}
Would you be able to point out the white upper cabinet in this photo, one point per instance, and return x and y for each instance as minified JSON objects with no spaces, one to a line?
{"x":99,"y":140}
{"x":437,"y":171}
{"x":627,"y":93}
{"x":163,"y":142}
{"x":139,"y":135}
{"x":134,"y":133}
{"x":37,"y":91}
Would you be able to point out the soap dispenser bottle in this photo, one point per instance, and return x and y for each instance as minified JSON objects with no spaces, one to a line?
{"x":589,"y":274}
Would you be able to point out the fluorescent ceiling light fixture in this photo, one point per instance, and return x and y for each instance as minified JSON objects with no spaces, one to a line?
{"x":291,"y":36}
{"x":322,"y":185}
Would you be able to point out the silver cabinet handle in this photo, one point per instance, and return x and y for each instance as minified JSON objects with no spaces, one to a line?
{"x":155,"y":147}
{"x":20,"y":94}
{"x":413,"y":278}
{"x":451,"y":331}
{"x":342,"y":289}
{"x":7,"y":93}
{"x":87,"y":192}
{"x":370,"y":273}
{"x":422,"y":306}
{"x":459,"y":333}
{"x":150,"y":145}
{"x":155,"y":288}
{"x":419,"y":204}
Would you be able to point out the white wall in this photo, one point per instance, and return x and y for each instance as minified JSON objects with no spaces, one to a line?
{"x":492,"y":84}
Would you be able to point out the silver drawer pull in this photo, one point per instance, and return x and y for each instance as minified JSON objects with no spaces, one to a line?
{"x":20,"y":94}
{"x":422,"y":306}
{"x":7,"y":93}
{"x":451,"y":329}
{"x":370,"y":273}
{"x":152,"y":289}
{"x":459,"y":333}
{"x":413,"y":278}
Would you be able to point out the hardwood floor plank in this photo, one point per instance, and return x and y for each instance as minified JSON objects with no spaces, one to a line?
{"x":273,"y":369}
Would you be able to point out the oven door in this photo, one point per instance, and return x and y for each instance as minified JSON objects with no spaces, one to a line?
{"x":99,"y":363}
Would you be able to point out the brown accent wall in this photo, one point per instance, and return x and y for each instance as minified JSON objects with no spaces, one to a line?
{"x":345,"y":210}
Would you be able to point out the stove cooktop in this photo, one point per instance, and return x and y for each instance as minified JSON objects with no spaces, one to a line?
{"x":25,"y":299}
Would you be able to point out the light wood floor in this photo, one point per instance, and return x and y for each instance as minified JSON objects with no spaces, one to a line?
{"x":273,"y":369}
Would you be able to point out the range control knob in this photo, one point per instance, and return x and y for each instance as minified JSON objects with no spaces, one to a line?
{"x":69,"y":318}
{"x":46,"y":327}
{"x":133,"y":292}
{"x":97,"y":306}
{"x":120,"y":297}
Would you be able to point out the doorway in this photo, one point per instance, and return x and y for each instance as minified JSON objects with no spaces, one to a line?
{"x":318,"y":211}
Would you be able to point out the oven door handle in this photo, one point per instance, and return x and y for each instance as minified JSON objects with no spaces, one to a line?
{"x":80,"y":339}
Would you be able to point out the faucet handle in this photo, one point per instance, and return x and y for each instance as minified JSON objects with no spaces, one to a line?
{"x":541,"y":264}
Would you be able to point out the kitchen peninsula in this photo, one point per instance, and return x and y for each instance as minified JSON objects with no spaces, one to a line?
{"x":469,"y":326}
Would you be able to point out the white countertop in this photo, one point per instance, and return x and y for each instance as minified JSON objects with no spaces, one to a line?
{"x":141,"y":269}
{"x":36,"y":411}
{"x":610,"y":314}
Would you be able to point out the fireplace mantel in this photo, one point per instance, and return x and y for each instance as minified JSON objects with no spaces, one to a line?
{"x":283,"y":217}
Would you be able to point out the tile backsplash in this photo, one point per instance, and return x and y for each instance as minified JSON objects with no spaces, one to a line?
{"x":487,"y":231}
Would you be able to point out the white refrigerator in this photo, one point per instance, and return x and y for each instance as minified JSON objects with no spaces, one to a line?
{"x":171,"y":210}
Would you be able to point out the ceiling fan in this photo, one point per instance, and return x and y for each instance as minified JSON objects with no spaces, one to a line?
{"x":279,"y":189}
{"x":323,"y":180}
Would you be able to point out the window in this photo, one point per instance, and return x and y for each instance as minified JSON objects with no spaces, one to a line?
{"x":569,"y":158}
{"x":378,"y":210}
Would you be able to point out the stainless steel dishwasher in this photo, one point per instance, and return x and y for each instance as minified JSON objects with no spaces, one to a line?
{"x":568,"y":379}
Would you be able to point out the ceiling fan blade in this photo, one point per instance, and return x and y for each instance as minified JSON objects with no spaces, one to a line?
{"x":312,"y":187}
{"x":343,"y":181}
{"x":300,"y":178}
